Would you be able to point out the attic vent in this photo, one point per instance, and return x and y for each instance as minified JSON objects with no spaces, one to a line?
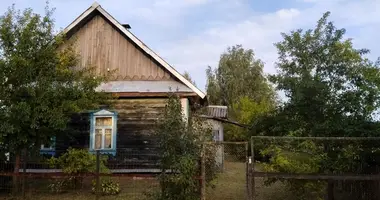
{"x":127,"y":26}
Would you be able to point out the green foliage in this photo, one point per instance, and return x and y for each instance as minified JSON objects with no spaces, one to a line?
{"x":40,"y":83}
{"x":292,"y":161}
{"x":239,"y":82}
{"x":58,"y":186}
{"x":188,"y":77}
{"x":329,"y":84}
{"x":237,"y":66}
{"x":181,"y":146}
{"x":76,"y":161}
{"x":108,"y":187}
{"x":246,"y":111}
{"x":332,"y":90}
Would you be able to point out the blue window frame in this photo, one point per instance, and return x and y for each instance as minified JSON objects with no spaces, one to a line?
{"x":48,"y":149}
{"x":103,"y":130}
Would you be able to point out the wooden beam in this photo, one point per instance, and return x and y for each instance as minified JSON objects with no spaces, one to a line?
{"x":224,"y":121}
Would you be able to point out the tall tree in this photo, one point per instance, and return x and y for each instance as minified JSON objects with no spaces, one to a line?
{"x":40,"y":86}
{"x":181,"y":144}
{"x":332,"y":90}
{"x":238,"y":74}
{"x":327,"y":81}
{"x":239,"y":82}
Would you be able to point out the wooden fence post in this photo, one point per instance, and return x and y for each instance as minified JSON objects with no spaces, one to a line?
{"x":97,"y":175}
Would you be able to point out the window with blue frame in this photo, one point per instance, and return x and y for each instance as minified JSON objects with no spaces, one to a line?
{"x":103,"y":131}
{"x":48,"y":148}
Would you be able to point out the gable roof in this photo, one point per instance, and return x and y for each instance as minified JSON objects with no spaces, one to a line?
{"x":96,"y":7}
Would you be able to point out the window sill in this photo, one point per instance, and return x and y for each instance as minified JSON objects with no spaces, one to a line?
{"x":47,"y":152}
{"x":104,"y":151}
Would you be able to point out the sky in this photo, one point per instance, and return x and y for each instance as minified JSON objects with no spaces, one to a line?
{"x":191,"y":34}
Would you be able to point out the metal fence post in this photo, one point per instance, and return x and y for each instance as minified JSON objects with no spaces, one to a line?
{"x":253,"y":191}
{"x":25,"y":157}
{"x":203,"y":174}
{"x":248,"y":173}
{"x":97,"y":190}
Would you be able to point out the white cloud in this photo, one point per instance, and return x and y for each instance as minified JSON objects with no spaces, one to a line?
{"x":195,"y":53}
{"x":260,"y":32}
{"x":164,"y":13}
{"x":191,"y":34}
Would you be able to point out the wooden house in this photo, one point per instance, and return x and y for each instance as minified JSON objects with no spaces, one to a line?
{"x":141,"y":80}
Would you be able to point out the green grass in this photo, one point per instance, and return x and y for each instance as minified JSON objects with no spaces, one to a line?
{"x":231,"y":184}
{"x":136,"y":189}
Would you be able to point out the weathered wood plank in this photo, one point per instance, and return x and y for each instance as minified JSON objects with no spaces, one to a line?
{"x":102,"y":46}
{"x":137,"y":144}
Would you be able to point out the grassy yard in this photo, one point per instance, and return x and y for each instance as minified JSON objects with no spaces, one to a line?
{"x":131,"y":189}
{"x":231,"y":184}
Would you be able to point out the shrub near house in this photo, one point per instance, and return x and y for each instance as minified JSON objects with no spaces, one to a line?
{"x":76,"y":161}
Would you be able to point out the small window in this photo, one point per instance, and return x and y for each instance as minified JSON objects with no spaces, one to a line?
{"x":48,"y":148}
{"x":215,"y":135}
{"x":103,"y":131}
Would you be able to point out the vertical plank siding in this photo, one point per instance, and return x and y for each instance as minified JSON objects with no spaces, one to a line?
{"x":101,"y":46}
{"x":136,"y":144}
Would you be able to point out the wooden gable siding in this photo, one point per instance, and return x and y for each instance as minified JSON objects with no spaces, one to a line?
{"x":101,"y":45}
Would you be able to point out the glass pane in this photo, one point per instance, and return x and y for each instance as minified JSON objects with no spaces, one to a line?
{"x":103,"y":121}
{"x":108,"y":135}
{"x":215,"y":134}
{"x":98,"y":138}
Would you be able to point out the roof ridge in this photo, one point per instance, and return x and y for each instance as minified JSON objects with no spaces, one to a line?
{"x":138,"y":42}
{"x":95,"y":4}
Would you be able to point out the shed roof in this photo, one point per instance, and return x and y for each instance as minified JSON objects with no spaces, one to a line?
{"x":217,"y":111}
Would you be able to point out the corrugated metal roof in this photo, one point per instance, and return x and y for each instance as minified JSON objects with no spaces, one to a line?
{"x":143,"y":86}
{"x":217,"y":111}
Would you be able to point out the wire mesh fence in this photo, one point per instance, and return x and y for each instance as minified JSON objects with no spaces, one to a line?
{"x":333,"y":168}
{"x":135,"y":174}
{"x":230,"y":171}
{"x":131,"y":175}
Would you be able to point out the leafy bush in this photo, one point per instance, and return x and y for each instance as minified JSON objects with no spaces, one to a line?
{"x":107,"y":186}
{"x":181,"y":147}
{"x":76,"y":161}
{"x":301,"y":158}
{"x":58,"y":186}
